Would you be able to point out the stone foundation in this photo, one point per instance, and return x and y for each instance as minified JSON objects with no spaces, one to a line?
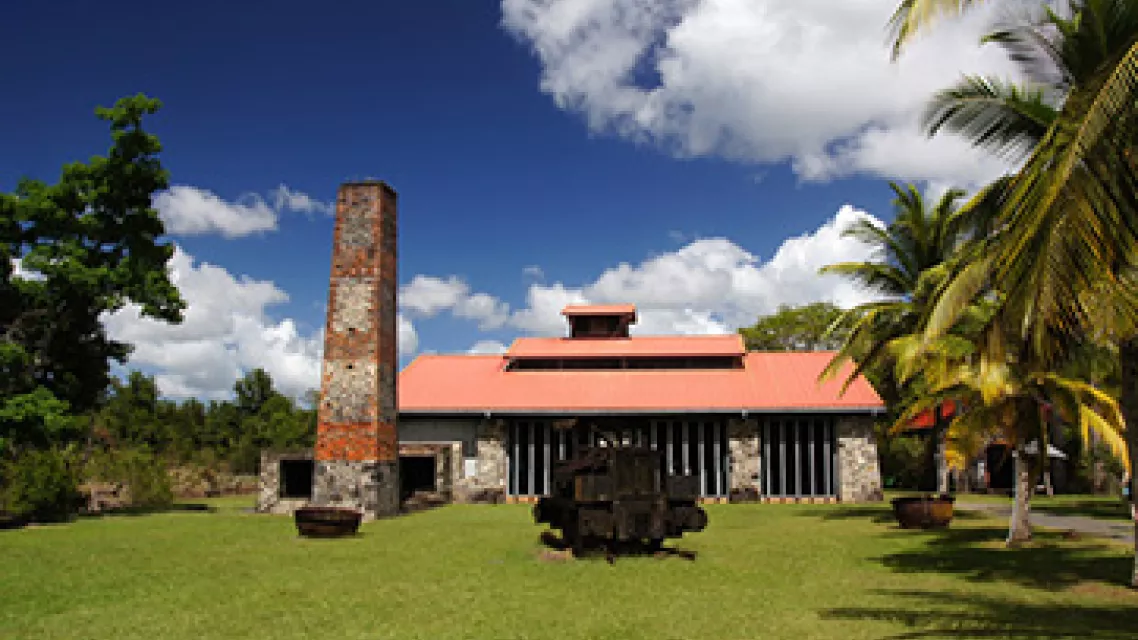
{"x":859,"y":472}
{"x":372,"y":487}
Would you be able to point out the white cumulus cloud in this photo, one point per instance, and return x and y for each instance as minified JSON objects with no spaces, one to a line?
{"x":708,"y":286}
{"x":189,"y":211}
{"x":804,"y":81}
{"x":226,"y":332}
{"x":712,"y":285}
{"x":427,"y":296}
{"x":285,"y":199}
{"x":486,"y":347}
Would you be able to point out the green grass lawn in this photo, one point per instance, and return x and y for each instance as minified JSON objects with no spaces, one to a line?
{"x":472,"y":571}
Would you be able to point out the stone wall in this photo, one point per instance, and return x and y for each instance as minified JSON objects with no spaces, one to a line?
{"x":269,"y":499}
{"x":859,"y":471}
{"x":371,"y":486}
{"x":744,"y":457}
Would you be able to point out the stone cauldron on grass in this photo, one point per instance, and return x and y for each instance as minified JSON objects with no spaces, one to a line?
{"x":327,"y":522}
{"x":923,"y":512}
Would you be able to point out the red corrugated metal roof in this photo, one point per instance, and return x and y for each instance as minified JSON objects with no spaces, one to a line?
{"x":599,"y":310}
{"x":662,"y":346}
{"x":769,"y":382}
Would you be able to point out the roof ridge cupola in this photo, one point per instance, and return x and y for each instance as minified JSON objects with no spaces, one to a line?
{"x":600,"y":321}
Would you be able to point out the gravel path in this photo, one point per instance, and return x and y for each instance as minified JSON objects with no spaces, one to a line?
{"x":1116,"y":529}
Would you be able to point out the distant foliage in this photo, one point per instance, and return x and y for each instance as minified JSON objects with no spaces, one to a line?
{"x":135,"y":467}
{"x":222,"y":434}
{"x":800,"y":328}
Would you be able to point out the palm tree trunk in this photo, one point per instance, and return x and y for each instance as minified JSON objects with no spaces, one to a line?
{"x":1128,"y":356}
{"x":940,"y":431}
{"x":941,"y":468}
{"x":1019,"y":529}
{"x":1044,"y":449}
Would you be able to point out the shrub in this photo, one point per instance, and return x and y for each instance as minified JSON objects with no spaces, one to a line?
{"x":39,"y":485}
{"x":1096,"y":470}
{"x":903,"y":461}
{"x":142,"y":472}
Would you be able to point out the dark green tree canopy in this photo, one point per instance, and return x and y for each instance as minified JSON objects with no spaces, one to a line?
{"x":93,"y":240}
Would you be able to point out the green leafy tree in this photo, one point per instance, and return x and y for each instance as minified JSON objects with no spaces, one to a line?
{"x":132,"y":413}
{"x":802,"y":328}
{"x":267,"y":419}
{"x":253,"y":391}
{"x":92,"y":241}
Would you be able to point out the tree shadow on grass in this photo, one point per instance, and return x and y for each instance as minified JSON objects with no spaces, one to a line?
{"x":177,"y":507}
{"x":21,"y":522}
{"x":930,"y":614}
{"x":876,"y":514}
{"x":1090,"y":509}
{"x":978,"y":554}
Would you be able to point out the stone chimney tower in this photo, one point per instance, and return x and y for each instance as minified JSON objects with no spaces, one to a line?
{"x":357,"y":460}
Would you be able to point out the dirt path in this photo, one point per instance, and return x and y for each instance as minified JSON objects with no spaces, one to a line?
{"x":1117,"y":530}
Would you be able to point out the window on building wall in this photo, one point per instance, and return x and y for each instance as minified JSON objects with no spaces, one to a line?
{"x":296,"y":478}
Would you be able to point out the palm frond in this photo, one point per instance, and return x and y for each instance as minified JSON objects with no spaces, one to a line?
{"x":957,"y":296}
{"x":914,"y":16}
{"x":1090,"y":420}
{"x":1068,"y":227}
{"x":991,"y":113}
{"x":882,"y":278}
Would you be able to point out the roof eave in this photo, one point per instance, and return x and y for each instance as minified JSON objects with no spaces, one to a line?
{"x":852,"y":409}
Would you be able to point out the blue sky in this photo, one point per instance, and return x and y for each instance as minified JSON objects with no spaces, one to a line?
{"x":685,"y":141}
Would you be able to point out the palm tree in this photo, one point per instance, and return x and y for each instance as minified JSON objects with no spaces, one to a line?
{"x":1008,"y":394}
{"x":912,"y":254}
{"x":1067,"y":229}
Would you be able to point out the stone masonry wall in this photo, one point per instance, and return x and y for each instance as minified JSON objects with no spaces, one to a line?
{"x":744,"y":456}
{"x":269,"y":499}
{"x":858,"y":467}
{"x":357,"y":437}
{"x":371,"y":486}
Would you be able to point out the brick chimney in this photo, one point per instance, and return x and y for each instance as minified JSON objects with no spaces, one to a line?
{"x":357,"y":461}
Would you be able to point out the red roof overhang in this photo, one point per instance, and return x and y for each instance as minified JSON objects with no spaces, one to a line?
{"x":768,"y":383}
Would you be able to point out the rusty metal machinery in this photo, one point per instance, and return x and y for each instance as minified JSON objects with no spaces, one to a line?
{"x":618,"y":494}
